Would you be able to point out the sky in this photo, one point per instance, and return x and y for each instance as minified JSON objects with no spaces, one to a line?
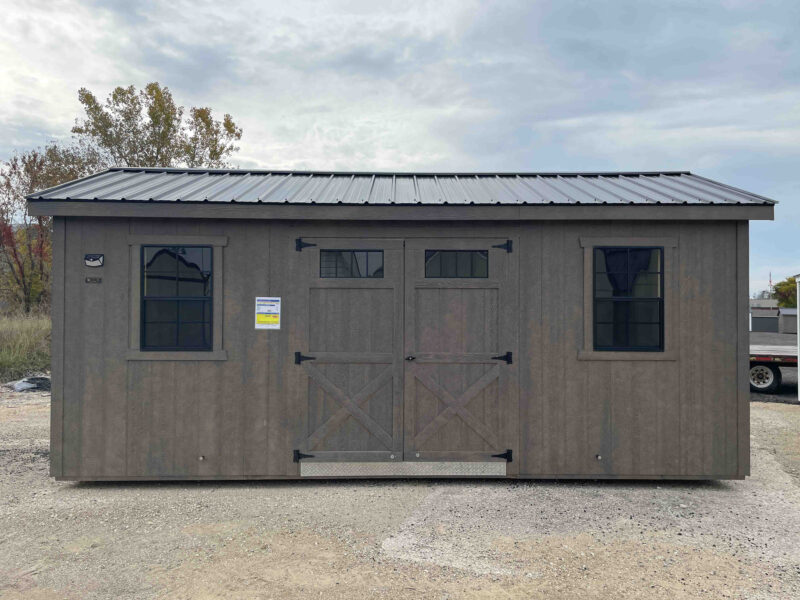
{"x":707,"y":86}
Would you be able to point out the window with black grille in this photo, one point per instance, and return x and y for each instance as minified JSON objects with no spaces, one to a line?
{"x":176,"y":298}
{"x":457,"y":263}
{"x":350,"y":264}
{"x":629,"y":299}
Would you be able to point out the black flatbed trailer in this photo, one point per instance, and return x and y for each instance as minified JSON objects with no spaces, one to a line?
{"x":766,"y":362}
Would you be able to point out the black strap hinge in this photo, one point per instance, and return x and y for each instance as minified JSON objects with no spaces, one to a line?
{"x":508,"y":357}
{"x":508,"y":455}
{"x":297,"y":456}
{"x":508,"y":246}
{"x":299,"y":244}
{"x":299,"y":358}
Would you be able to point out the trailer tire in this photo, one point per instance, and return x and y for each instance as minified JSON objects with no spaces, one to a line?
{"x":764,"y":379}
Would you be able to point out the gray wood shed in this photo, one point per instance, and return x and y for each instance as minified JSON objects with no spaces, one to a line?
{"x":225,"y":324}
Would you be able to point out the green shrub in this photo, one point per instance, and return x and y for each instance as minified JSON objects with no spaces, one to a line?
{"x":24,"y":345}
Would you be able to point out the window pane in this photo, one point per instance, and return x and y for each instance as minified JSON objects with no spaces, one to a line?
{"x":449,"y":264}
{"x":159,"y":258}
{"x":192,"y":310}
{"x":646,"y":336}
{"x":645,"y":259}
{"x":375,"y":264}
{"x":599,"y":260}
{"x":327,"y":263}
{"x":480,"y":263}
{"x":168,"y":273}
{"x":433,"y":263}
{"x":611,"y":336}
{"x":642,"y":311}
{"x":350,"y":263}
{"x":608,"y":285}
{"x":359,"y":264}
{"x":194,"y":335}
{"x":192,"y":281}
{"x":604,"y":311}
{"x":344,"y":263}
{"x":646,"y":285}
{"x":159,"y":283}
{"x":159,"y":335}
{"x":160,"y":311}
{"x":457,"y":263}
{"x":624,"y":279}
{"x":614,"y":259}
{"x":464,"y":264}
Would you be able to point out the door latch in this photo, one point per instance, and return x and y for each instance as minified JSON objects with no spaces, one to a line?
{"x":507,"y":455}
{"x":411,"y":357}
{"x":506,"y":357}
{"x":299,"y":358}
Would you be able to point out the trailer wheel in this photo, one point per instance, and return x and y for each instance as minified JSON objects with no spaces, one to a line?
{"x":765,"y":379}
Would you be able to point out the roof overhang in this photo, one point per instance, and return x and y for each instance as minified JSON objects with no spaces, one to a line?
{"x":395,"y":212}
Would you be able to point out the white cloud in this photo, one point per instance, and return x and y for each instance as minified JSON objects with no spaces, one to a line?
{"x":567,"y":85}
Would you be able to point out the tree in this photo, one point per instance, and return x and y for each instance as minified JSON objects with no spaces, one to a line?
{"x":25,"y":245}
{"x":146,"y":128}
{"x":786,"y":293}
{"x":132,"y":128}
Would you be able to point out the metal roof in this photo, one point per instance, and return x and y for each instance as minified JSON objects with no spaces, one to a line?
{"x":317,"y":187}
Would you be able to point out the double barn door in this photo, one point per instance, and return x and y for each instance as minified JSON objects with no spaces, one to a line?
{"x":405,"y":351}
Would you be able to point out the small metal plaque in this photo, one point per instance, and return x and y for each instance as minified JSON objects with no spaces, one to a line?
{"x":403,"y":469}
{"x":94,"y":280}
{"x":93,"y":260}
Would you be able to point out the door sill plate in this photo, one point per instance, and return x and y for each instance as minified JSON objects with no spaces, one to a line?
{"x":403,"y":469}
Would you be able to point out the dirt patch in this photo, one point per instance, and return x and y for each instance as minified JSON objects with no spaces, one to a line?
{"x":780,"y":427}
{"x":398,"y":539}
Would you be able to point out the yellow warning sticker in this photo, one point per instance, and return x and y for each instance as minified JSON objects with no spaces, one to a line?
{"x":268,"y":313}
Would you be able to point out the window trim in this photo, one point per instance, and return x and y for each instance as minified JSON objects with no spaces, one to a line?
{"x":135,"y":243}
{"x":669,"y":282}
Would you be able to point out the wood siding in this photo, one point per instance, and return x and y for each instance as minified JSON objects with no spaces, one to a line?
{"x":115,"y":418}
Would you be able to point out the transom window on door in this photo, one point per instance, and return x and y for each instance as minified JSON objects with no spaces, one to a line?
{"x":628,"y":299}
{"x":176,"y":298}
{"x":350,"y":264}
{"x":457,"y":263}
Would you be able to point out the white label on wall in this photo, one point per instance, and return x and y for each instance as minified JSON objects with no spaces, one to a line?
{"x":268,"y":313}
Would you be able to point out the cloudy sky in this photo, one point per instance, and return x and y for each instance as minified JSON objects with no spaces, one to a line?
{"x":711,"y":87}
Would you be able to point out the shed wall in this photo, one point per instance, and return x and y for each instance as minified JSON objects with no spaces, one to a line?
{"x":115,"y":418}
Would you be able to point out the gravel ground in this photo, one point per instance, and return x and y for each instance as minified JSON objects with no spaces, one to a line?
{"x":398,"y":539}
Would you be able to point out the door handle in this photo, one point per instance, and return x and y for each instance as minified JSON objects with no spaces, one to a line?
{"x":411,"y":357}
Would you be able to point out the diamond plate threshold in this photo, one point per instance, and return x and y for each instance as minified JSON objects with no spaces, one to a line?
{"x":403,"y":469}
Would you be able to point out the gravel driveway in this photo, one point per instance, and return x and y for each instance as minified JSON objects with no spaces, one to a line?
{"x":398,"y":539}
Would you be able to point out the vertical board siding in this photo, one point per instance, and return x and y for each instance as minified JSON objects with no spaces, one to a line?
{"x":644,"y":418}
{"x":57,"y":348}
{"x":73,"y":350}
{"x":114,"y":418}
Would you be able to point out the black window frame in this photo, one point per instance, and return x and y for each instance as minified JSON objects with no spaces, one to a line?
{"x":353,"y":251}
{"x":207,"y":299}
{"x":456,"y":251}
{"x":659,"y":300}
